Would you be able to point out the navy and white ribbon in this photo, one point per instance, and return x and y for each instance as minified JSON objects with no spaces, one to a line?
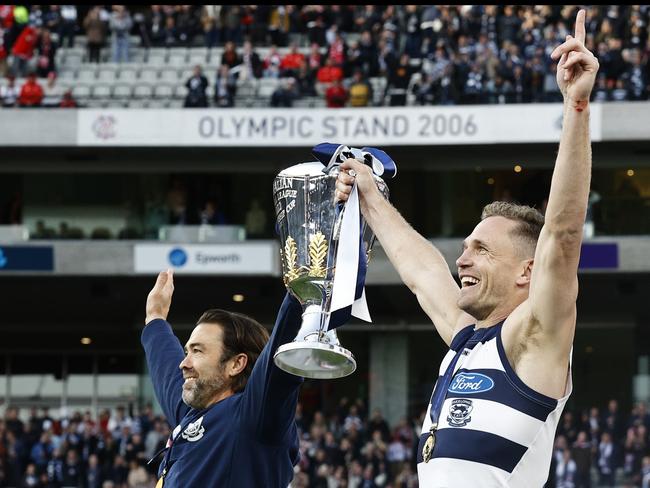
{"x":348,"y":291}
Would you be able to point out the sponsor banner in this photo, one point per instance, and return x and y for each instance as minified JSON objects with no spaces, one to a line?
{"x":379,"y":126}
{"x":26,"y":258}
{"x":226,"y":259}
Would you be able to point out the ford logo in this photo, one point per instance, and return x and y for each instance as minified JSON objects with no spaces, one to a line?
{"x":469,"y":383}
{"x":177,"y":257}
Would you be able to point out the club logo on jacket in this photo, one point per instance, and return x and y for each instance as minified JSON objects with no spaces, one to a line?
{"x":194,"y":431}
{"x":459,"y":411}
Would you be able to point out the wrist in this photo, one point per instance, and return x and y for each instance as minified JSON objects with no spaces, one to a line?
{"x":152,"y":317}
{"x":371,"y":204}
{"x":579,"y":105}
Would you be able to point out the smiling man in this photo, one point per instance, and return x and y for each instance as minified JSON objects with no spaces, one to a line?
{"x":223,"y":396}
{"x":510,"y":326}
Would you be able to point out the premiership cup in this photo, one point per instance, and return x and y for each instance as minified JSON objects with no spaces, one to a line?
{"x":309,"y":223}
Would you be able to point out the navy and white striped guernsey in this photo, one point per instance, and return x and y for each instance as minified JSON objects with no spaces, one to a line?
{"x":493,"y":430}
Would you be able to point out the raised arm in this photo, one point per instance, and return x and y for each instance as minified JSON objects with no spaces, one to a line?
{"x":271,"y":395}
{"x":163,"y":350}
{"x":554,"y":282}
{"x":420,"y":265}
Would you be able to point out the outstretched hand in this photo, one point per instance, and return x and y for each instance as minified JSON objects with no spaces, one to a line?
{"x":577,"y":66}
{"x":160,"y":297}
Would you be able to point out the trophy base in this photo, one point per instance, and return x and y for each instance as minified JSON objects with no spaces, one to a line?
{"x":315,"y":360}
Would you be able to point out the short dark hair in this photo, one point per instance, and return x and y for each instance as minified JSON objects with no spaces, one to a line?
{"x":529,"y":223}
{"x":241,"y":334}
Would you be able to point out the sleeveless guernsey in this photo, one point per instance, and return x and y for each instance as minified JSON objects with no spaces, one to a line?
{"x":493,"y":430}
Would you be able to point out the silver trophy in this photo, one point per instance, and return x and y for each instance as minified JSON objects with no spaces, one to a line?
{"x":308,"y":223}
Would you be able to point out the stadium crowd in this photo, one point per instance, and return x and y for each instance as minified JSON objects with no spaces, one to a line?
{"x":439,"y":54}
{"x":346,"y":448}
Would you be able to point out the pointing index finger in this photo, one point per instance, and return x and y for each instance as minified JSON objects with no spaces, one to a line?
{"x":580,"y":33}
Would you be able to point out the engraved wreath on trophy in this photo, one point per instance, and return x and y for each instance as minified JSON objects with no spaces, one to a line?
{"x":314,"y":234}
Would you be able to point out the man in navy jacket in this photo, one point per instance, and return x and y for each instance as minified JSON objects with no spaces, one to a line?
{"x":232,"y":412}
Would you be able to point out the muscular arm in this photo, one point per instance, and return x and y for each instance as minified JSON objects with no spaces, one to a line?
{"x":420,"y":265}
{"x":554,"y":282}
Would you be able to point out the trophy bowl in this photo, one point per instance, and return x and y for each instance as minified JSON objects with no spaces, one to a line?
{"x":308,"y":223}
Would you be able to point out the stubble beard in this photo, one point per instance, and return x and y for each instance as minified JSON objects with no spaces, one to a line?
{"x":198,"y":396}
{"x":474,"y":306}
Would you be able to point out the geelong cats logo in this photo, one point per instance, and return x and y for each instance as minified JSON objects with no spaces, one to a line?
{"x":459,"y":411}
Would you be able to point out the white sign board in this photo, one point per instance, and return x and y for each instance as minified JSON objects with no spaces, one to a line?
{"x":379,"y":126}
{"x":219,"y":259}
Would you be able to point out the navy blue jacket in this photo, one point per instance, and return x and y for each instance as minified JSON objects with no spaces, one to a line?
{"x":247,"y":440}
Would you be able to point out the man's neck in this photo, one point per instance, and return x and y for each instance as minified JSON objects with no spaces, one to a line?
{"x":499,"y":314}
{"x":493,"y":319}
{"x":222,"y":395}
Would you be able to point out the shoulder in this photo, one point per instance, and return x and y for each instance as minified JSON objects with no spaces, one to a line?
{"x":463,"y":324}
{"x":461,"y":334}
{"x":522,"y":329}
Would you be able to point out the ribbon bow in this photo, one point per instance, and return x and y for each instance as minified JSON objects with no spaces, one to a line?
{"x":332,"y":155}
{"x":348,"y":288}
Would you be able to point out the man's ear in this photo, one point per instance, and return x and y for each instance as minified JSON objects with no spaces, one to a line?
{"x":525,"y":272}
{"x":237,"y":364}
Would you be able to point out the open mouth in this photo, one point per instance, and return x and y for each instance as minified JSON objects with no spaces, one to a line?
{"x":467,"y":281}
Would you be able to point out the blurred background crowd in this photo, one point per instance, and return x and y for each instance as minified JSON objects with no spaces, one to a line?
{"x":348,"y":447}
{"x":343,"y":55}
{"x":167,"y":56}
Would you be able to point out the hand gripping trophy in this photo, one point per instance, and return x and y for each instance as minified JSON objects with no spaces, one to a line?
{"x":324,"y":246}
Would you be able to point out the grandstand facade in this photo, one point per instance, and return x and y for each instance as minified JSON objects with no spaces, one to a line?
{"x":96,"y":199}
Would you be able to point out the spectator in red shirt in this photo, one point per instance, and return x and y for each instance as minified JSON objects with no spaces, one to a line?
{"x":329,"y":73}
{"x":338,"y":50}
{"x":6,"y":16}
{"x":67,"y":101}
{"x":23,"y":49}
{"x":291,"y":62}
{"x":3,"y":53}
{"x":31,"y":94}
{"x":336,"y":95}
